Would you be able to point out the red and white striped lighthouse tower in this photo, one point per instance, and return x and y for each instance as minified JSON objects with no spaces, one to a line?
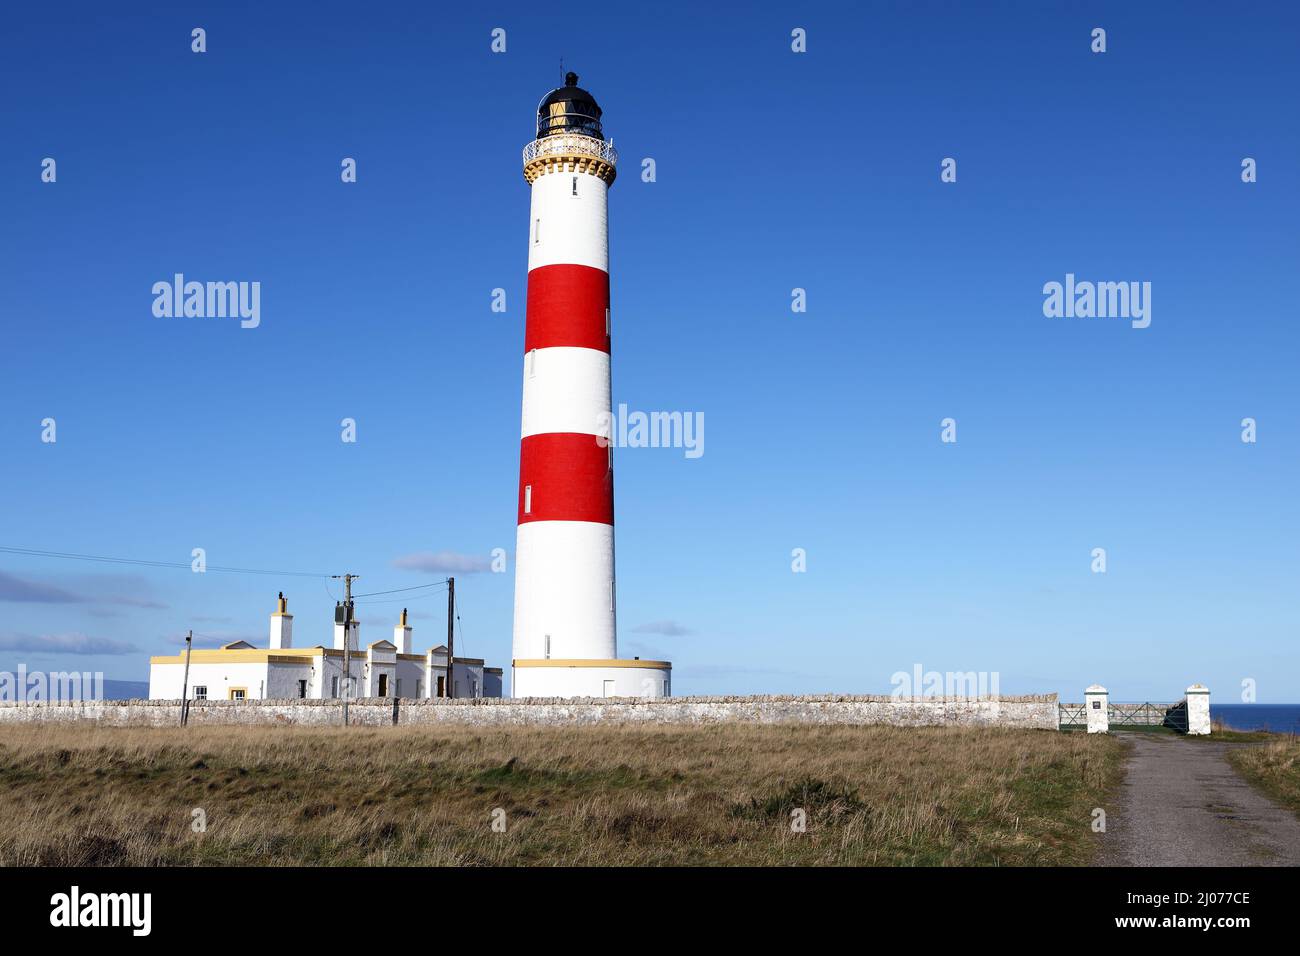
{"x":564,"y":632}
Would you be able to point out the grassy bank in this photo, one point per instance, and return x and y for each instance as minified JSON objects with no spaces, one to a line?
{"x":86,"y":795}
{"x":1274,"y":767}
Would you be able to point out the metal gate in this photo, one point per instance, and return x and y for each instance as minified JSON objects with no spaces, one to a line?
{"x":1147,"y":714}
{"x":1073,"y":715}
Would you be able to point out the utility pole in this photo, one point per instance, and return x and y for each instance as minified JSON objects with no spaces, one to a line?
{"x":185,"y":681}
{"x":347,"y":638}
{"x":451,"y":637}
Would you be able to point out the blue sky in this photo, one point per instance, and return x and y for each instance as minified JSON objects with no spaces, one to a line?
{"x":775,"y":170}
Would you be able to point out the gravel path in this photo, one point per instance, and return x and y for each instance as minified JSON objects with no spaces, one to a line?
{"x":1182,"y":804}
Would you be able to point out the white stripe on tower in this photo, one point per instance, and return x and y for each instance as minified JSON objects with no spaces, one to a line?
{"x":564,"y":557}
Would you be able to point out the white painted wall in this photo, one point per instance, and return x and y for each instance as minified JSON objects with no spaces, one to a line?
{"x":564,"y":228}
{"x":565,"y":390}
{"x":279,"y":681}
{"x":564,"y":579}
{"x":166,"y":680}
{"x":591,"y":682}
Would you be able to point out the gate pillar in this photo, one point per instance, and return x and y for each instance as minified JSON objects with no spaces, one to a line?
{"x":1096,"y":705}
{"x":1198,"y":710}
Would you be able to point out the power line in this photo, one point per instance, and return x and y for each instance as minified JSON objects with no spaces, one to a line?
{"x":459,"y":622}
{"x":400,"y":600}
{"x":32,"y":552}
{"x":436,"y":584}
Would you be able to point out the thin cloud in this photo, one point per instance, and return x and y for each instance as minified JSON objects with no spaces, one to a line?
{"x":33,"y":592}
{"x":443,"y":562}
{"x":64,"y":644}
{"x":665,"y":627}
{"x":127,"y":590}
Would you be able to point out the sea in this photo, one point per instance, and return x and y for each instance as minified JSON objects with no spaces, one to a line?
{"x":1279,"y":718}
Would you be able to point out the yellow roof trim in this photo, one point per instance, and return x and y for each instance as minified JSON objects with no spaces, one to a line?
{"x":247,"y":655}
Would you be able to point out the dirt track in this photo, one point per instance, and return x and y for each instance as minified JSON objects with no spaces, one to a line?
{"x":1182,"y":804}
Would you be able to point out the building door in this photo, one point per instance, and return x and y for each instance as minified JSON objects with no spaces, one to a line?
{"x":442,"y":686}
{"x":383,"y":685}
{"x":302,"y":688}
{"x":609,"y":688}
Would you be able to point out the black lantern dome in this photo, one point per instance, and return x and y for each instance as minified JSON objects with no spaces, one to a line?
{"x":569,"y":109}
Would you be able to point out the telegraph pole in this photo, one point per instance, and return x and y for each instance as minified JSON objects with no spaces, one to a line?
{"x":451,"y":637}
{"x":185,"y":682}
{"x":347,"y":638}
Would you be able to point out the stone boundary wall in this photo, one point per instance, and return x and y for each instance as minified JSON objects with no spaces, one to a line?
{"x":1037,"y":711}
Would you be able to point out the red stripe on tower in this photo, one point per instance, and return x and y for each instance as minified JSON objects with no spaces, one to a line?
{"x":568,"y":305}
{"x":565,"y":476}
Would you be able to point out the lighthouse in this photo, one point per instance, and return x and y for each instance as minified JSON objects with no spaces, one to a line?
{"x":565,"y":642}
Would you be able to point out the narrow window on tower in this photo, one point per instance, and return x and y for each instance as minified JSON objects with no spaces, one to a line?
{"x":611,"y":594}
{"x":547,"y":651}
{"x":537,"y":231}
{"x":575,"y":185}
{"x":607,"y":323}
{"x":528,"y":499}
{"x":531,"y":362}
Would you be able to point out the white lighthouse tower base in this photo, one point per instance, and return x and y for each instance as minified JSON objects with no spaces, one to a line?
{"x":591,"y":678}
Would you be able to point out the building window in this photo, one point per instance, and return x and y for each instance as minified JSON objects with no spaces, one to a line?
{"x":239,"y":693}
{"x":201,"y":692}
{"x":528,"y":499}
{"x":302,"y":689}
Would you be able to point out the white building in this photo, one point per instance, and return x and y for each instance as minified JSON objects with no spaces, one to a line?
{"x":240,"y":671}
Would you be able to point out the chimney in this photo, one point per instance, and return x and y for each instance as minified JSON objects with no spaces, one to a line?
{"x":402,"y":635}
{"x":281,"y":625}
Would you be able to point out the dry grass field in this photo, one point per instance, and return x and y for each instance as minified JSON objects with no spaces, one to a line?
{"x":722,"y":795}
{"x":1274,"y":767}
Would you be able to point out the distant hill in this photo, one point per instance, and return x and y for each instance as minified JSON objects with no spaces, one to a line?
{"x":125,"y":689}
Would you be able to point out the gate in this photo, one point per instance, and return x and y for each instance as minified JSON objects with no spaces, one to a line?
{"x":1073,"y":715}
{"x":1147,"y":714}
